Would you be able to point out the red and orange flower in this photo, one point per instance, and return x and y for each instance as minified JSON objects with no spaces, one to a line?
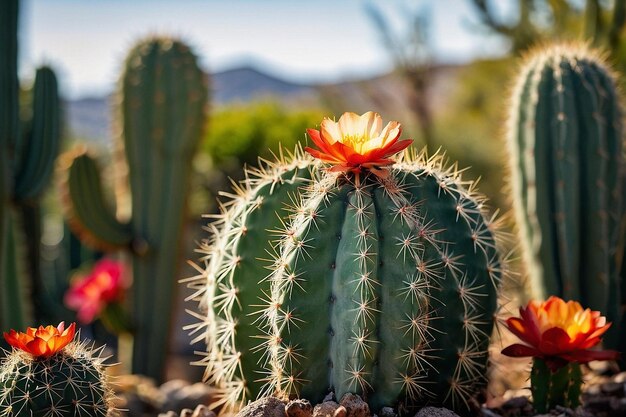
{"x":357,"y":143}
{"x":92,"y":293}
{"x":558,"y":332}
{"x":42,"y":342}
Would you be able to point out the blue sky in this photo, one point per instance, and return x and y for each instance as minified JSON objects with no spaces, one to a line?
{"x":300,"y":40}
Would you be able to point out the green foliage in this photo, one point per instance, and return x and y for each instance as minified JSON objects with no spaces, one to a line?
{"x":316,"y":281}
{"x":162,"y":101}
{"x":566,"y":154}
{"x":71,"y":383}
{"x":240,"y":134}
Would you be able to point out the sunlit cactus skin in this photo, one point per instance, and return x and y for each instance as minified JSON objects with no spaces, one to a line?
{"x":69,"y":383}
{"x":316,"y":281}
{"x":29,"y":145}
{"x":161,"y":103}
{"x":566,"y":144}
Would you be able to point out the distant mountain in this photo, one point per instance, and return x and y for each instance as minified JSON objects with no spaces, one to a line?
{"x":91,"y":119}
{"x":247,"y":83}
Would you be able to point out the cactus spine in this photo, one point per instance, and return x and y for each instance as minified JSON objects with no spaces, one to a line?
{"x":70,"y":383}
{"x":26,"y":163}
{"x":565,"y":139}
{"x":162,"y":101}
{"x":385,"y":288}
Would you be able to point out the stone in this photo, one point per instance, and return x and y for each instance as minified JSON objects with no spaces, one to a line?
{"x":203,"y":411}
{"x":613,"y":388}
{"x":340,"y":412}
{"x":436,"y":412}
{"x":299,"y":408}
{"x":330,"y":397}
{"x":265,"y":407}
{"x":516,"y":403}
{"x":325,"y":409}
{"x":355,"y":406}
{"x":387,"y":412}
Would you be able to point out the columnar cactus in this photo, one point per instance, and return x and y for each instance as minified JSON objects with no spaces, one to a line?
{"x":375,"y":277}
{"x":27,"y":155}
{"x":68,"y":381}
{"x":162,"y":101}
{"x":566,"y":145}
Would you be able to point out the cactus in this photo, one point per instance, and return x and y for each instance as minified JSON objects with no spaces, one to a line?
{"x":162,"y":100}
{"x":26,"y":162}
{"x":383,"y":287}
{"x":565,"y":138}
{"x":555,"y":388}
{"x":71,"y":382}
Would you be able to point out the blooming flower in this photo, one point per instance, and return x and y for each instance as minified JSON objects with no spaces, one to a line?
{"x":42,"y":342}
{"x":356,"y":143}
{"x":91,"y":294}
{"x":558,"y":332}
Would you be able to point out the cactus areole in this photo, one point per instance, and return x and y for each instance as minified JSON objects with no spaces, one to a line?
{"x":371,"y":275}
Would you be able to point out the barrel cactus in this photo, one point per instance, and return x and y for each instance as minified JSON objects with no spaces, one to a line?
{"x":566,"y":145}
{"x":48,"y":373}
{"x":374,"y":276}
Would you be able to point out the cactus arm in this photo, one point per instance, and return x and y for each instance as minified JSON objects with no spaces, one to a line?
{"x":88,"y":213}
{"x":165,"y":95}
{"x":41,"y":146}
{"x":12,"y":297}
{"x":9,"y":86}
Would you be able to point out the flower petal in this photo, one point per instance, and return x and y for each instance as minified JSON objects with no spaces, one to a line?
{"x":519,"y":351}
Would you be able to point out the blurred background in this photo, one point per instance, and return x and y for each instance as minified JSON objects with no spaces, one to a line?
{"x":441,"y":68}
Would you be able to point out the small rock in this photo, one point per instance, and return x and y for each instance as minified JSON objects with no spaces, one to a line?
{"x":265,"y":407}
{"x":485,"y":412}
{"x":598,"y":404}
{"x":581,"y":412}
{"x":387,"y":412}
{"x":613,"y":388}
{"x":203,"y":411}
{"x":355,"y":406}
{"x":435,"y":412}
{"x":621,"y":377}
{"x":516,"y":403}
{"x":330,"y":397}
{"x":299,"y":408}
{"x":341,"y":412}
{"x":564,"y":410}
{"x":325,"y":409}
{"x":618,"y":404}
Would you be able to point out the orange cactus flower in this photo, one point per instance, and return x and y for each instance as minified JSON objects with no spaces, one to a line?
{"x":92,"y":293}
{"x":357,"y":143}
{"x":558,"y":332}
{"x":42,"y":342}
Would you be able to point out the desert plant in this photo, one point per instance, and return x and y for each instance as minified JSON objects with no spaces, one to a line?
{"x":49,"y":373}
{"x":162,"y":102}
{"x":566,"y":142}
{"x":379,"y":276}
{"x":29,"y":145}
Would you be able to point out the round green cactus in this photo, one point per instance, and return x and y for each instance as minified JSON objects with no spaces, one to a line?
{"x":381,"y":285}
{"x":71,"y":382}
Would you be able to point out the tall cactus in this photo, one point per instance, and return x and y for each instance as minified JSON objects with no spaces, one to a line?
{"x":162,"y":101}
{"x":26,"y":162}
{"x":566,"y":145}
{"x":380,"y":282}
